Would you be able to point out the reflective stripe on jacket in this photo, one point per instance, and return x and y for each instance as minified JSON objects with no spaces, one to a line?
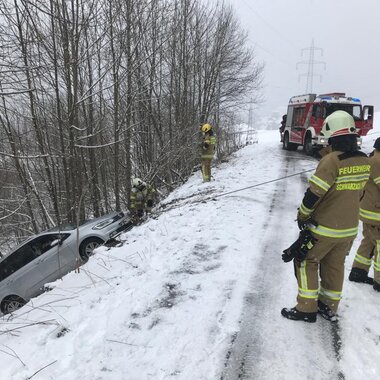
{"x":370,"y":203}
{"x":139,"y":198}
{"x":338,"y":182}
{"x":208,"y":147}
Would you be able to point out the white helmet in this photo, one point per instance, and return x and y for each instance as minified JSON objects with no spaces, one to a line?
{"x":137,"y":182}
{"x":339,"y":123}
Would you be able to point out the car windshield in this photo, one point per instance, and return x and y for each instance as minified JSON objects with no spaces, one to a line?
{"x":72,"y":226}
{"x":353,"y":109}
{"x":63,"y":227}
{"x":88,"y":221}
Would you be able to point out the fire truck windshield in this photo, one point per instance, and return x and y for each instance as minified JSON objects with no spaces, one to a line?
{"x":354,"y":110}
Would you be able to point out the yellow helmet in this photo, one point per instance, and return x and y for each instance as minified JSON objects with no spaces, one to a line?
{"x":206,"y":128}
{"x":339,"y":123}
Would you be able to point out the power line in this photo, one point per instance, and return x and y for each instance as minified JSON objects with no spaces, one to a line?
{"x":278,"y":32}
{"x":278,"y":57}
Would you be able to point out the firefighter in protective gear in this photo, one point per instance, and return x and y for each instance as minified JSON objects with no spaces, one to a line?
{"x":282,"y":127}
{"x":369,"y":249}
{"x":141,"y":199}
{"x":208,"y":150}
{"x":332,"y":202}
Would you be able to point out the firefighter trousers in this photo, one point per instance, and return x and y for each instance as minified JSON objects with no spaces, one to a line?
{"x":206,"y":169}
{"x":320,"y":276}
{"x":369,"y":250}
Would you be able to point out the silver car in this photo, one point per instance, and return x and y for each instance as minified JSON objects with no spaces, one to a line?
{"x":50,"y":255}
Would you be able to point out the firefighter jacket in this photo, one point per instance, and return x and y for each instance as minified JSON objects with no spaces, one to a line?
{"x":140,"y":198}
{"x":370,"y":203}
{"x":208,"y":147}
{"x":332,"y":200}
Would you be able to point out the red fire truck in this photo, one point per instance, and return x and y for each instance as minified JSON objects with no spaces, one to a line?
{"x":306,"y":114}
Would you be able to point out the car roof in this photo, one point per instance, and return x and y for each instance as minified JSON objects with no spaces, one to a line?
{"x":72,"y":226}
{"x":67,"y":227}
{"x":25,"y":241}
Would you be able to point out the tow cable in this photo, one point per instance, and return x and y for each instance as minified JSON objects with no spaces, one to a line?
{"x":262,"y":183}
{"x":162,"y":209}
{"x":213,"y":197}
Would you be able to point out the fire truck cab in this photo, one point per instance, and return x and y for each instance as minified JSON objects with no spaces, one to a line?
{"x":306,"y":114}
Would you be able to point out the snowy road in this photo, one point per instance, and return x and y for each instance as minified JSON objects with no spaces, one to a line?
{"x":258,"y":350}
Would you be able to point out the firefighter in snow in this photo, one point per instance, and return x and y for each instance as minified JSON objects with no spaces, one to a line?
{"x":330,"y":210}
{"x":282,"y":127}
{"x":208,"y":150}
{"x":369,"y":249}
{"x":141,"y":199}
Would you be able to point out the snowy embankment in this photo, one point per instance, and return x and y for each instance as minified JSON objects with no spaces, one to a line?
{"x":168,"y":304}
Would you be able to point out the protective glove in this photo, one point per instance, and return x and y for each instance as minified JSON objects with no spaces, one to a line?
{"x":299,"y":249}
{"x":301,"y":254}
{"x":287,"y":255}
{"x":307,"y":242}
{"x":149,"y":202}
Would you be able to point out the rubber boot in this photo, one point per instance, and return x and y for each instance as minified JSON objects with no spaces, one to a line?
{"x":326,"y":312}
{"x":376,"y":286}
{"x":297,"y":315}
{"x":360,"y":275}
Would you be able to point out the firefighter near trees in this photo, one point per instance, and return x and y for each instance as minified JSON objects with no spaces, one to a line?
{"x":329,"y":213}
{"x":369,"y":249}
{"x":141,"y":199}
{"x":207,"y":150}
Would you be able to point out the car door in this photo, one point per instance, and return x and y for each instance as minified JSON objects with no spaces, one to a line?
{"x":297,"y":126}
{"x":67,"y":255}
{"x":23,"y":277}
{"x":53,"y":256}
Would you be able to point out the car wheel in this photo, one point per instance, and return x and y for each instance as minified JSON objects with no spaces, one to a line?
{"x":11,"y":304}
{"x":308,"y":146}
{"x":87,"y":247}
{"x":287,"y":145}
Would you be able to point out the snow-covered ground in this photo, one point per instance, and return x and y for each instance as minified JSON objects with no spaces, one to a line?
{"x":196,"y":293}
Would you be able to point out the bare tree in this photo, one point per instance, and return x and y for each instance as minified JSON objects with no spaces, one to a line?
{"x":94,"y":92}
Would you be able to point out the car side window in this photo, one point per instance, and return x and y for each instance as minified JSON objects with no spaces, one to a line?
{"x":16,"y":260}
{"x":44,"y":243}
{"x":28,"y":252}
{"x":298,"y":116}
{"x":317,"y":111}
{"x":5,"y":269}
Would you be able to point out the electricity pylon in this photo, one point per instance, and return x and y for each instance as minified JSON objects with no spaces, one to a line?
{"x":310,"y":66}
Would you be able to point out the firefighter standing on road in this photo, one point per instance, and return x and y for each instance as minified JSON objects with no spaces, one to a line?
{"x":282,"y":127}
{"x":330,"y":209}
{"x":208,"y":150}
{"x":369,"y":249}
{"x":141,"y":199}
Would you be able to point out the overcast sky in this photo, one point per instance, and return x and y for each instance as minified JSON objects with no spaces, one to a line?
{"x":348,"y":31}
